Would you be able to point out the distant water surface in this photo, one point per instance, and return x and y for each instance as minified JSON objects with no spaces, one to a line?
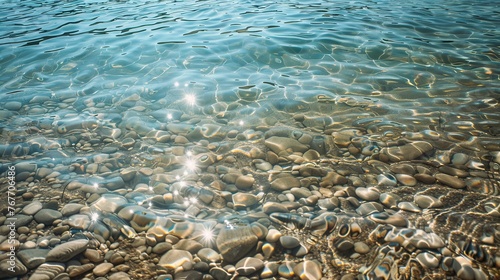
{"x":411,"y":62}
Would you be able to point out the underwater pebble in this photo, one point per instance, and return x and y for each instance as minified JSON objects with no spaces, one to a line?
{"x":449,"y":180}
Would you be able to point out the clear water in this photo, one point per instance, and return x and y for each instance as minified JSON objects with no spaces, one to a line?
{"x":414,"y":63}
{"x":79,"y":79}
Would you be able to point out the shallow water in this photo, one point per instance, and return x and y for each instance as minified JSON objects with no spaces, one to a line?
{"x":91,"y":88}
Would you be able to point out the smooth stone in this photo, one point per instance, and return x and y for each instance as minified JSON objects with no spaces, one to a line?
{"x":368,"y":194}
{"x":66,"y":251}
{"x":32,"y":208}
{"x":49,"y":270}
{"x":102,"y":269}
{"x":188,"y":275}
{"x":259,"y":230}
{"x":289,"y":242}
{"x":122,"y":276}
{"x":209,"y":255}
{"x":244,"y":199}
{"x":278,"y":144}
{"x":71,"y":209}
{"x":192,"y":246}
{"x":428,"y":260}
{"x":75,"y":270}
{"x":273,"y":235}
{"x":361,"y":247}
{"x":386,"y":180}
{"x":32,"y":258}
{"x":235,"y":243}
{"x":406,"y":152}
{"x":308,"y":270}
{"x":453,"y":171}
{"x":262,"y":165}
{"x":220,"y":274}
{"x":93,"y":255}
{"x":270,"y":270}
{"x":19,"y":268}
{"x":161,"y":248}
{"x":385,"y":218}
{"x":286,"y":270}
{"x":402,"y":168}
{"x":22,"y":220}
{"x":244,"y":182}
{"x":140,"y":218}
{"x":110,"y":202}
{"x":301,"y":192}
{"x":285,"y":183}
{"x":47,"y":216}
{"x":368,"y":208}
{"x":409,"y":206}
{"x":407,"y":180}
{"x":463,"y":268}
{"x":427,"y":240}
{"x":274,"y":207}
{"x":459,"y":159}
{"x":425,"y":178}
{"x":248,"y":266}
{"x":450,"y":181}
{"x":427,"y":201}
{"x":175,"y":258}
{"x":332,"y":179}
{"x":13,"y":105}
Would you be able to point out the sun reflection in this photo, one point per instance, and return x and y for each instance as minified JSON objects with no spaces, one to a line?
{"x":206,"y":235}
{"x":190,"y":99}
{"x":94,"y":217}
{"x":190,"y":164}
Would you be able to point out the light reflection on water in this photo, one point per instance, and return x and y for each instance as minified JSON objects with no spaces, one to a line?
{"x":81,"y":80}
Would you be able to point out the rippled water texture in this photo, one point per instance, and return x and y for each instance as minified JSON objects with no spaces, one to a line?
{"x":122,"y":95}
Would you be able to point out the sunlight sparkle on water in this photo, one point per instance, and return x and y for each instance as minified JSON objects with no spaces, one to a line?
{"x":190,"y":99}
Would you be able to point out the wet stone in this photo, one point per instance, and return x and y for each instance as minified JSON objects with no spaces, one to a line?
{"x":289,"y":242}
{"x":406,"y":179}
{"x":234,"y":243}
{"x":248,"y":266}
{"x":244,"y":182}
{"x":71,"y":209}
{"x":278,"y":144}
{"x":453,"y":171}
{"x":102,"y":269}
{"x":273,"y":235}
{"x":308,"y":270}
{"x":425,"y":178}
{"x":175,"y":258}
{"x":428,"y":260}
{"x":368,"y":194}
{"x":22,"y":220}
{"x":48,"y":270}
{"x":427,"y":201}
{"x":285,"y":183}
{"x":386,"y":180}
{"x":32,"y":208}
{"x":32,"y":258}
{"x":450,"y":181}
{"x":244,"y":200}
{"x":47,"y":216}
{"x":274,"y":207}
{"x":406,"y":152}
{"x":209,"y":255}
{"x":19,"y":268}
{"x":75,"y":270}
{"x":66,"y":251}
{"x":409,"y":206}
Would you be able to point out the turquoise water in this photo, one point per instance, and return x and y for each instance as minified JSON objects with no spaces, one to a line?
{"x":407,"y":62}
{"x":163,"y":105}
